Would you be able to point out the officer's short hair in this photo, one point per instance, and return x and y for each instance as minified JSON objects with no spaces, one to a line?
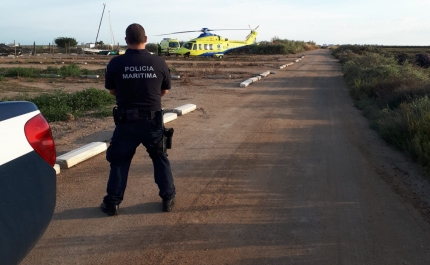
{"x":135,"y":34}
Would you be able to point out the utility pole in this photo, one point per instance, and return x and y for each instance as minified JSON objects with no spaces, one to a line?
{"x":104,"y":6}
{"x":14,"y":46}
{"x":34,"y":49}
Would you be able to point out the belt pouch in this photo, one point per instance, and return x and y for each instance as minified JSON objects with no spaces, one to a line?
{"x":132,"y":115}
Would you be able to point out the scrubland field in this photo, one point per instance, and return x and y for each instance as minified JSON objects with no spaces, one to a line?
{"x":73,"y":103}
{"x":392,"y":87}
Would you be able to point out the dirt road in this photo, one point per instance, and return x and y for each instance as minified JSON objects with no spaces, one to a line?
{"x":285,"y":171}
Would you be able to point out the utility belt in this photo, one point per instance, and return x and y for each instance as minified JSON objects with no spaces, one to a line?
{"x":121,"y":115}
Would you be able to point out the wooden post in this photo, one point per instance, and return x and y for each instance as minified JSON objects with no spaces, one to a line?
{"x":49,"y":48}
{"x":14,"y":46}
{"x":34,"y":49}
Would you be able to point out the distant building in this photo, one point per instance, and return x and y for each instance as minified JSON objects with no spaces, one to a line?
{"x":91,"y":45}
{"x":88,"y":45}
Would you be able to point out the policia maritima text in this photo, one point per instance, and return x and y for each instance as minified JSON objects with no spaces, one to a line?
{"x":138,"y":80}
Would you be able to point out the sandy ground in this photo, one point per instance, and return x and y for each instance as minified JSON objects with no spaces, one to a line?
{"x":286,"y":171}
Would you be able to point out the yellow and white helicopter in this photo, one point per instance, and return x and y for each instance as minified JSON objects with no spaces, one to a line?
{"x":208,"y":44}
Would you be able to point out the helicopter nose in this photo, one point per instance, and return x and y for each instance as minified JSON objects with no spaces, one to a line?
{"x":181,"y":51}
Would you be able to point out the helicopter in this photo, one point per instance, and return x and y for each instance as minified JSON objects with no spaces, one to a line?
{"x":212,"y":45}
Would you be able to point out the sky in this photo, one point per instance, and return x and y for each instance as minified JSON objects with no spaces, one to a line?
{"x":395,"y":22}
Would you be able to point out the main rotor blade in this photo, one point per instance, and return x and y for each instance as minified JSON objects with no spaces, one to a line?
{"x":180,"y":32}
{"x":225,"y":29}
{"x":201,"y":30}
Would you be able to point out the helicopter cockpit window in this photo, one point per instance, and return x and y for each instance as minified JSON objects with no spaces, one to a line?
{"x":200,"y":46}
{"x":206,"y":47}
{"x":173,"y":44}
{"x":188,"y":45}
{"x":211,"y":47}
{"x":195,"y":46}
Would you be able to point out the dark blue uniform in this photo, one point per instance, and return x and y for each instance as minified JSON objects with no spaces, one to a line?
{"x":138,"y":78}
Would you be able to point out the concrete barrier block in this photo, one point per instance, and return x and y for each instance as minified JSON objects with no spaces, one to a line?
{"x":175,"y":77}
{"x":57,"y":169}
{"x":297,"y":60}
{"x":81,"y":154}
{"x":182,"y":110}
{"x":246,"y":83}
{"x":50,"y":75}
{"x":90,"y":76}
{"x":265,"y":74}
{"x":168,"y":117}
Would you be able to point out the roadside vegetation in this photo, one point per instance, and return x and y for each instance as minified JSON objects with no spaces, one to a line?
{"x":276,"y":46}
{"x":71,"y":70}
{"x":62,"y":106}
{"x":392,"y":88}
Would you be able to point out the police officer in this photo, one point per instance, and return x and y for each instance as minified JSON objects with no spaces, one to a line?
{"x":138,"y":80}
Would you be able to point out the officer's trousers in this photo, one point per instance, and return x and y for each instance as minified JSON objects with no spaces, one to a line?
{"x":126,"y":138}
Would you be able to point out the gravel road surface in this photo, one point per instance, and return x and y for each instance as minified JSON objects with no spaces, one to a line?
{"x":285,"y":171}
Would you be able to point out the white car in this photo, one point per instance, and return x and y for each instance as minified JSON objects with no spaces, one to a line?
{"x":27,"y":179}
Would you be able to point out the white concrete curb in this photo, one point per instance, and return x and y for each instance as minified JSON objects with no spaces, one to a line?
{"x":251,"y":80}
{"x":184,"y":109}
{"x":57,"y":169}
{"x":265,"y":74}
{"x":255,"y":79}
{"x":81,"y":154}
{"x":90,"y":76}
{"x":246,"y":83}
{"x":168,"y":117}
{"x":50,"y":75}
{"x":85,"y":152}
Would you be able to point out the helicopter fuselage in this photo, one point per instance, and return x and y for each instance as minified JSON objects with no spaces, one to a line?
{"x":208,"y":44}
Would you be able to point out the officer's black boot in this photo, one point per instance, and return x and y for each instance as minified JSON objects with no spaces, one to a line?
{"x":168,"y":204}
{"x":110,"y":209}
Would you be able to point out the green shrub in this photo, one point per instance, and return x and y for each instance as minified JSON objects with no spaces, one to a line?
{"x":382,"y":78}
{"x":58,"y":106}
{"x":408,"y":128}
{"x":22,"y":72}
{"x":70,"y":70}
{"x":276,"y":46}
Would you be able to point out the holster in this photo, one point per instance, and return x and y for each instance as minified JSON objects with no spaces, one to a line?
{"x":168,"y":134}
{"x":166,"y":140}
{"x":118,"y":116}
